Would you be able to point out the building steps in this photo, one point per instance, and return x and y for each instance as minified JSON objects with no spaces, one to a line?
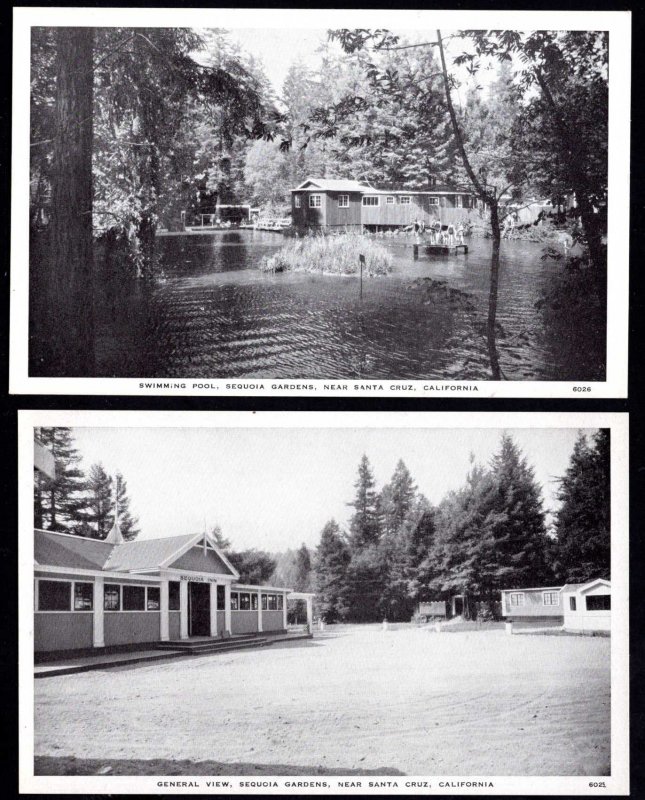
{"x":205,"y":645}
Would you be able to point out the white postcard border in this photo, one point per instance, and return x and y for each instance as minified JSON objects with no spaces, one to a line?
{"x":616,"y":784}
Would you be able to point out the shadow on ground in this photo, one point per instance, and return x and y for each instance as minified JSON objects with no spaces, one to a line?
{"x":68,"y":765}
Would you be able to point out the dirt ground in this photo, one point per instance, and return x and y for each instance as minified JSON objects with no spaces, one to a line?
{"x":354,"y":700}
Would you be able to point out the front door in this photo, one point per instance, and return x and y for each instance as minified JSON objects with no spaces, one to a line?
{"x":199,"y":609}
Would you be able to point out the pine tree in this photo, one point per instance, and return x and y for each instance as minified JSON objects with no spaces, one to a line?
{"x":583,"y":544}
{"x":422,"y":567}
{"x":58,"y":503}
{"x":364,"y":527}
{"x":331,"y":564}
{"x":303,"y":569}
{"x":127,"y":523}
{"x":99,"y":511}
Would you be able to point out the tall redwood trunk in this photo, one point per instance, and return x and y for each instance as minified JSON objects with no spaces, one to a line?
{"x":492,"y":295}
{"x":69,"y":312}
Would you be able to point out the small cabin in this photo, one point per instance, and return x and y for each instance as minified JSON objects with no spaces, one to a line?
{"x":321,"y":203}
{"x":537,"y":607}
{"x":587,"y":606}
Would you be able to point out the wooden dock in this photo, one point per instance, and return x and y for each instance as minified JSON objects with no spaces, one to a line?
{"x":445,"y":249}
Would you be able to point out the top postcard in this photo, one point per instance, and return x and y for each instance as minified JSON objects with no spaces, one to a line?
{"x":320,"y":203}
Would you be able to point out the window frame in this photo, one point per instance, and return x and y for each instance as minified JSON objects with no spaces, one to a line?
{"x":344,"y":197}
{"x":314,"y":197}
{"x":433,"y":201}
{"x":390,"y":200}
{"x":297,"y":201}
{"x":265,"y":602}
{"x":518,"y":595}
{"x":573,"y":605}
{"x":158,"y":590}
{"x":551,"y":595}
{"x":459,"y":201}
{"x":119,"y":587}
{"x":70,"y":598}
{"x":235,"y":601}
{"x":244,"y":598}
{"x":371,"y":197}
{"x":125,"y":610}
{"x":83,"y":583}
{"x":220,"y":595}
{"x":594,"y":597}
{"x":406,"y":200}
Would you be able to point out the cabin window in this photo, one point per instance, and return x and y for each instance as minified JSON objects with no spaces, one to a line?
{"x":433,"y":201}
{"x":389,"y":200}
{"x":370,"y":200}
{"x":112,"y":597}
{"x":458,"y":201}
{"x":234,"y":601}
{"x":405,"y":200}
{"x":245,"y":601}
{"x":598,"y":602}
{"x":297,"y":201}
{"x":280,"y":600}
{"x":174,"y":599}
{"x":550,"y":598}
{"x":517,"y":598}
{"x":254,"y":602}
{"x":221,"y":598}
{"x":54,"y":595}
{"x":572,"y":604}
{"x":264,"y":602}
{"x":134,"y":598}
{"x":83,"y":596}
{"x":343,"y":201}
{"x":315,"y":201}
{"x":153,"y":599}
{"x":273,"y":602}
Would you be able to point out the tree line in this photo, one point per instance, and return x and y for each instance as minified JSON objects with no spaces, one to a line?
{"x":76,"y":501}
{"x":490,"y":534}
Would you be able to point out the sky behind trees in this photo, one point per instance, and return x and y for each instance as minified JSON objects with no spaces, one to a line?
{"x":274,"y":489}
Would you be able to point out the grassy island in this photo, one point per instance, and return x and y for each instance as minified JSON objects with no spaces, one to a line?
{"x":330,"y":255}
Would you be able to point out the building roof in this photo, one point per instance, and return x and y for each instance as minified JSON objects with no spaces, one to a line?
{"x":576,"y":587}
{"x":55,"y":549}
{"x":332,"y":185}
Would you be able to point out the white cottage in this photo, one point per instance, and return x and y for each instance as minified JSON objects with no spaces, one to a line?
{"x":587,"y":606}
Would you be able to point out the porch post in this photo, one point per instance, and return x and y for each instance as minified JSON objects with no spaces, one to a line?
{"x":259,"y":611}
{"x":98,"y":629}
{"x":284,"y":611}
{"x":164,"y":619}
{"x":227,"y":607}
{"x":310,"y":615}
{"x":213,"y":609}
{"x":183,"y":609}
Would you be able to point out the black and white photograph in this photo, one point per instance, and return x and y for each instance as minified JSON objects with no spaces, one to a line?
{"x":348,"y":202}
{"x":326,"y":602}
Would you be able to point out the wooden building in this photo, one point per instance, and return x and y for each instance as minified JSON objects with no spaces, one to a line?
{"x":111,"y":593}
{"x":321,"y":203}
{"x":574,"y":607}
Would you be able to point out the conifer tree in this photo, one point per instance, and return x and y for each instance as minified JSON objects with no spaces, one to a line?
{"x":58,"y":503}
{"x":99,"y":503}
{"x":127,"y":522}
{"x":331,"y":564}
{"x":303,"y":569}
{"x":583,"y":545}
{"x":364,"y":528}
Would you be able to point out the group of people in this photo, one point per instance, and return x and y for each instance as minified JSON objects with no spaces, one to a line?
{"x":450,"y":234}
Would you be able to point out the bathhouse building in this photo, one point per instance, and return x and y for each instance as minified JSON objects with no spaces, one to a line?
{"x":322,"y":203}
{"x":112,"y":593}
{"x":578,"y":607}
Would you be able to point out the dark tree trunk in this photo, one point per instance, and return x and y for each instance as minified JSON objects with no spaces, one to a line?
{"x":69,"y":307}
{"x":38,"y":501}
{"x":492,"y":296}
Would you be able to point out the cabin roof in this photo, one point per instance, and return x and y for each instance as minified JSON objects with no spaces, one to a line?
{"x":576,"y":587}
{"x":332,"y":185}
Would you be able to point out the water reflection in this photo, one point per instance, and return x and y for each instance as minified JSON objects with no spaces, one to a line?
{"x":215,"y":315}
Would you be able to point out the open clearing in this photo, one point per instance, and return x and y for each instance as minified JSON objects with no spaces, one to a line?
{"x":355,"y":699}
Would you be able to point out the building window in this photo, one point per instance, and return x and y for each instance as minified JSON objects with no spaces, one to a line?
{"x":153,"y":599}
{"x":254,"y":602}
{"x":54,"y":595}
{"x":572,"y":604}
{"x":265,"y":602}
{"x":598,"y":602}
{"x":134,"y":598}
{"x":221,"y":598}
{"x":234,"y":601}
{"x":389,"y":200}
{"x":174,"y":598}
{"x":405,"y":200}
{"x":517,"y":598}
{"x":112,"y":597}
{"x":343,"y":201}
{"x":550,"y":598}
{"x":315,"y":201}
{"x":245,"y":601}
{"x":83,"y":596}
{"x":297,"y":201}
{"x":458,"y":201}
{"x":280,"y":600}
{"x":370,"y":200}
{"x":433,"y":201}
{"x":273,"y":602}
